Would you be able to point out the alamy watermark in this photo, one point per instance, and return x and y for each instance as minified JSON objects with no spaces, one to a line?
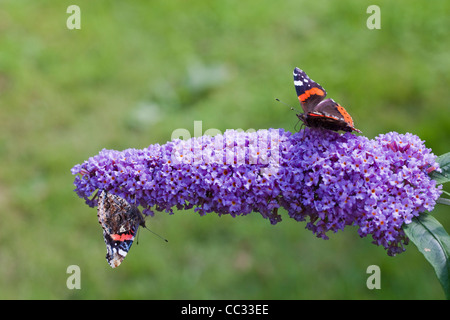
{"x":74,"y":280}
{"x":374,"y":280}
{"x":374,"y":20}
{"x":233,"y":147}
{"x":74,"y":20}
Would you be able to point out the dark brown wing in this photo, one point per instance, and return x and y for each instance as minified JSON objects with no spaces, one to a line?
{"x":309,"y":92}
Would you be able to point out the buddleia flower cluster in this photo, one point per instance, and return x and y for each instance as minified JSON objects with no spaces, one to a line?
{"x":318,"y":176}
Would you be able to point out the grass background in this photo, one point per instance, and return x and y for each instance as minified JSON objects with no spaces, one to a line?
{"x":137,"y":71}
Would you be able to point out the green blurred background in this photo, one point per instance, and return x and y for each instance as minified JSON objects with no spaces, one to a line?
{"x":136,"y":72}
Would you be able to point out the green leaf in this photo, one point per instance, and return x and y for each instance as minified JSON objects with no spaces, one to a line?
{"x":443,"y":201}
{"x":434,"y":242}
{"x":444,"y":164}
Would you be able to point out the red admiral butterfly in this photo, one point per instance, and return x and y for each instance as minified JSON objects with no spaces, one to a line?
{"x":319,"y":113}
{"x":120,"y":222}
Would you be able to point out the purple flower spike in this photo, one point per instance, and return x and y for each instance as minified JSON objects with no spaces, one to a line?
{"x":330,"y":179}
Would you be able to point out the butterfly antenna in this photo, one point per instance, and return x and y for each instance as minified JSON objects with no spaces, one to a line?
{"x":290,"y":107}
{"x":156,"y":234}
{"x":293,"y":109}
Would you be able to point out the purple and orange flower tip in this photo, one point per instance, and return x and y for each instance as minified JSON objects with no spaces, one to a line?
{"x":330,"y":180}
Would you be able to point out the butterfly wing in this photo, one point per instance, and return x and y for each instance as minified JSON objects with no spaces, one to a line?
{"x":309,"y":92}
{"x":120,"y":222}
{"x":116,"y":251}
{"x":330,"y":115}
